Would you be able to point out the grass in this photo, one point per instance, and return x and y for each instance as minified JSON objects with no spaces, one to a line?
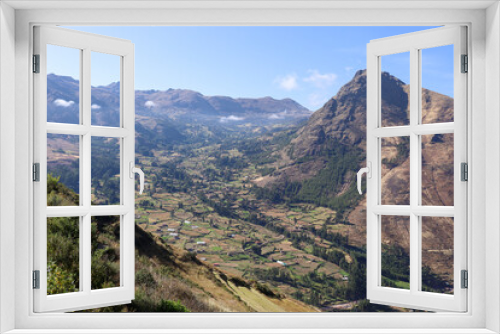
{"x":400,"y":284}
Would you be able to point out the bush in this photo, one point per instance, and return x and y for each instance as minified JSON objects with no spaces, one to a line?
{"x":266,"y":290}
{"x":144,"y":277}
{"x":171,"y":306}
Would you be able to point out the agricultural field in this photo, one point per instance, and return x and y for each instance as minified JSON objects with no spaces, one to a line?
{"x":209,"y":208}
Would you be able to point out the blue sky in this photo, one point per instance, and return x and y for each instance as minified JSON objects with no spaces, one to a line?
{"x":307,"y":64}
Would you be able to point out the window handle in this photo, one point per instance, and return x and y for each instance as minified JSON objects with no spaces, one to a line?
{"x":368,"y":171}
{"x":133,"y":171}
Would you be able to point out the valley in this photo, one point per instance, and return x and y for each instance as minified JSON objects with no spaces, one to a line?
{"x":267,"y":195}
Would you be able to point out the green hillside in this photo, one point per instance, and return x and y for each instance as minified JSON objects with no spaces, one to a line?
{"x":167,"y":279}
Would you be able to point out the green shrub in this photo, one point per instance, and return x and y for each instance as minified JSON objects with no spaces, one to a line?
{"x":171,"y":306}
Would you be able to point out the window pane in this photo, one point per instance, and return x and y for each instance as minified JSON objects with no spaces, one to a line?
{"x":437,"y":84}
{"x":63,"y":255}
{"x":105,"y":78}
{"x":437,"y":169}
{"x":63,"y":84}
{"x":105,"y":252}
{"x":395,"y":171}
{"x":437,"y":254}
{"x":63,"y":170}
{"x":395,"y":89}
{"x":105,"y":171}
{"x":396,"y":251}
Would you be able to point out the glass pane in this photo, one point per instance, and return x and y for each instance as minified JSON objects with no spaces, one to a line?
{"x":63,"y":170}
{"x":396,"y":251}
{"x":395,"y":89}
{"x":395,"y":171}
{"x":105,"y":81}
{"x":105,"y":171}
{"x":63,"y":255}
{"x":437,"y":254}
{"x":105,"y":252}
{"x":63,"y":84}
{"x":437,"y":84}
{"x":437,"y":169}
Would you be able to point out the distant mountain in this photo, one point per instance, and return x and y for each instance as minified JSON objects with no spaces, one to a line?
{"x":342,"y":120}
{"x":320,"y":162}
{"x":63,"y":98}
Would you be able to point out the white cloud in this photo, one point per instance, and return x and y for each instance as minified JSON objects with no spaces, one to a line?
{"x":349,"y":68}
{"x":95,"y":106}
{"x":230,"y":118}
{"x":280,"y":115}
{"x":317,"y":100}
{"x":63,"y":103}
{"x":288,"y":82}
{"x":149,"y":104}
{"x":321,"y":80}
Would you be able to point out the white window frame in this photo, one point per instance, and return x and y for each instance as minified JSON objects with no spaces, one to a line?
{"x":413,"y":43}
{"x":484,"y":104}
{"x":86,"y":44}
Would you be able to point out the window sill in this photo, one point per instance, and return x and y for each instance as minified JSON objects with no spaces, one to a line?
{"x":251,"y":331}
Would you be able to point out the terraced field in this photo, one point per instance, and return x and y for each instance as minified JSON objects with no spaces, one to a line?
{"x":252,"y":238}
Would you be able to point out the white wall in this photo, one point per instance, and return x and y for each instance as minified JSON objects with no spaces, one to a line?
{"x":222,"y":17}
{"x":492,"y":164}
{"x":7,"y":161}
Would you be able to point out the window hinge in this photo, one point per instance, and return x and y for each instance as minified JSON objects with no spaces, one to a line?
{"x":465,"y":279}
{"x":464,"y":170}
{"x":465,"y":64}
{"x":36,"y":63}
{"x":36,"y":279}
{"x":36,"y":172}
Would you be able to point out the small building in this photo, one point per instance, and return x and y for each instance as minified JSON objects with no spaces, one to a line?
{"x":187,"y":222}
{"x":171,"y":230}
{"x":200,"y":242}
{"x":282,"y":263}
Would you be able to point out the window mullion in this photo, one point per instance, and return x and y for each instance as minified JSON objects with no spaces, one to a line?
{"x":85,"y":249}
{"x":82,"y":227}
{"x":414,"y":170}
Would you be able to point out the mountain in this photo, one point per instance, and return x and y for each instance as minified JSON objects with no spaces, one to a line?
{"x":320,"y":161}
{"x":172,"y":104}
{"x":278,"y":206}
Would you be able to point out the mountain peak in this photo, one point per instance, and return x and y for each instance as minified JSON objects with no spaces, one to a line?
{"x":360,"y":73}
{"x":343,"y":117}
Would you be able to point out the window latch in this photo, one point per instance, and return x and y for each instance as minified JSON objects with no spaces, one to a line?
{"x":368,"y":171}
{"x":133,"y":170}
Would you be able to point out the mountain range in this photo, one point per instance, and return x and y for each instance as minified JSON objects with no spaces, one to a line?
{"x":297,"y":157}
{"x":172,"y":104}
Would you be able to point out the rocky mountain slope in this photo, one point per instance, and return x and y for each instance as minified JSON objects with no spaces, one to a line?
{"x":312,"y":157}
